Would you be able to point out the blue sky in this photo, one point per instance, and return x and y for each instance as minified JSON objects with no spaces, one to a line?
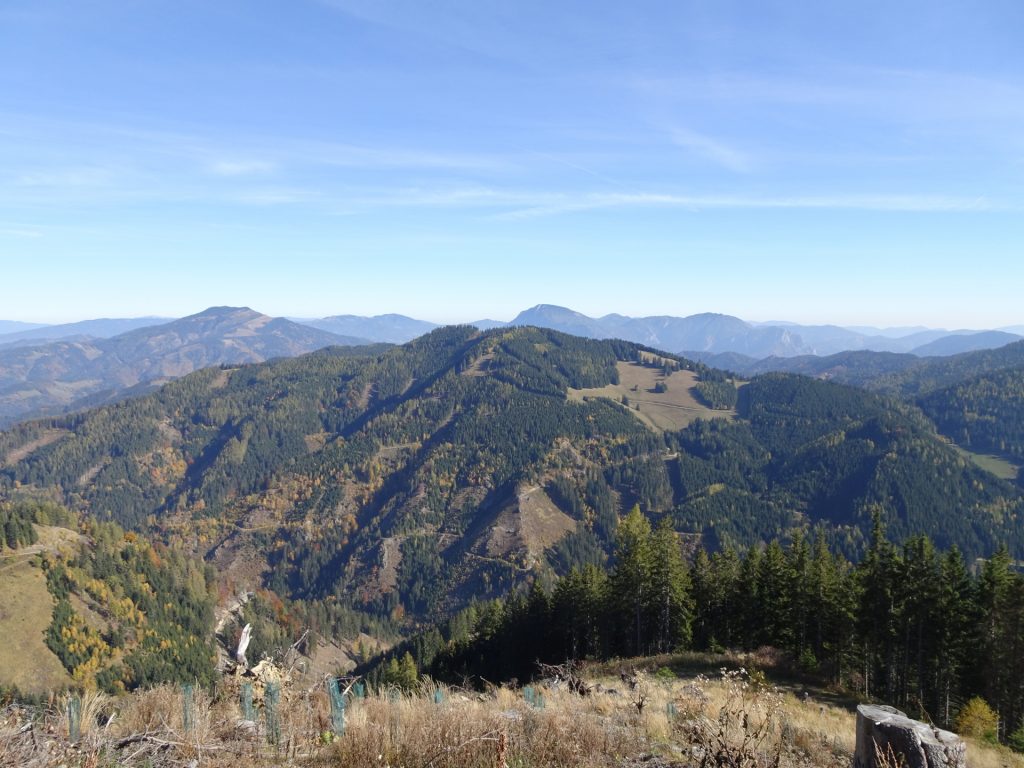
{"x":857,"y":163}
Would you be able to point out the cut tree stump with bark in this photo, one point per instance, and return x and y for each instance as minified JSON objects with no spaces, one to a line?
{"x":887,"y":738}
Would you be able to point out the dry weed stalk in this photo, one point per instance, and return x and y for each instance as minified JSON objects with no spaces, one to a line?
{"x":743,"y":733}
{"x":887,"y":758}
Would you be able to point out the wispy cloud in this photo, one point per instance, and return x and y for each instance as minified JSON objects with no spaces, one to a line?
{"x":241,"y":167}
{"x":712,"y":149}
{"x":893,"y":203}
{"x":273,"y":196}
{"x":918,"y":95}
{"x":514,"y":204}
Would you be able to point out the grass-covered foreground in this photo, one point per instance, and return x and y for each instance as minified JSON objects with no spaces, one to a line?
{"x":647,"y":716}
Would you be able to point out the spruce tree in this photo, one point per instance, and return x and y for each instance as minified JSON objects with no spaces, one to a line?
{"x":957,"y":623}
{"x":706,"y":600}
{"x":669,"y":604}
{"x":630,"y":580}
{"x":876,"y":613}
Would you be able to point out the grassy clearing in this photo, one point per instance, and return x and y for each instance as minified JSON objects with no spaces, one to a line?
{"x":672,"y":409}
{"x":639,"y":713}
{"x":26,"y":608}
{"x":25,"y":611}
{"x":998,"y":466}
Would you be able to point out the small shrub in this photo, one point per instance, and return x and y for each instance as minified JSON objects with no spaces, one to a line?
{"x":808,"y":662}
{"x":978,"y":720}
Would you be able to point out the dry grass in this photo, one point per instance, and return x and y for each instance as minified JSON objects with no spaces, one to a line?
{"x":468,"y":730}
{"x":26,"y":608}
{"x":651,"y":718}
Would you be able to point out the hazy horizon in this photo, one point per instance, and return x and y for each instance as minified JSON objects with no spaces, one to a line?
{"x":845,"y":163}
{"x":909,"y":328}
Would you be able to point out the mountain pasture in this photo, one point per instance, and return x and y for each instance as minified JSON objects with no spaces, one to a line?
{"x":997,"y":465}
{"x":26,"y":607}
{"x":670,"y":410}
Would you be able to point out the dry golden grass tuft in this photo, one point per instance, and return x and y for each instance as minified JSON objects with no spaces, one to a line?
{"x":645,"y":717}
{"x":468,"y":730}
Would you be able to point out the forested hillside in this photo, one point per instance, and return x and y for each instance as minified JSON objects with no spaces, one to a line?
{"x":974,"y":398}
{"x":984,"y":413}
{"x":904,"y":375}
{"x":907,"y":625}
{"x":457,"y":466}
{"x":115,"y":611}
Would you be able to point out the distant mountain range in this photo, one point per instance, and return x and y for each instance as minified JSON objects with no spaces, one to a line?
{"x":50,"y":378}
{"x":102,"y":328}
{"x":15,"y":326}
{"x":905,"y":375}
{"x":390,"y":329}
{"x":46,"y":370}
{"x":697,"y":335}
{"x":710,"y":333}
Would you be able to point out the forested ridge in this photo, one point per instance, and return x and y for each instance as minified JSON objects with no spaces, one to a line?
{"x":984,"y":413}
{"x":973,"y":398}
{"x":373,"y":494}
{"x":909,"y":625}
{"x":392,"y":486}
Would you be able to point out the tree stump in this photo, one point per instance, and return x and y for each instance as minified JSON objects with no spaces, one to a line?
{"x":887,"y":738}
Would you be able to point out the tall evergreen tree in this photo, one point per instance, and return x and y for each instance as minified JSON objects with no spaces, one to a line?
{"x":577,"y":609}
{"x":747,"y":599}
{"x":630,"y":579}
{"x":918,"y":589}
{"x":957,"y":621}
{"x":876,"y":614}
{"x":774,"y":590}
{"x":669,"y":604}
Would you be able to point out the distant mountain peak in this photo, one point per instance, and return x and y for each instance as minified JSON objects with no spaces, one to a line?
{"x":52,"y":377}
{"x":226,"y":311}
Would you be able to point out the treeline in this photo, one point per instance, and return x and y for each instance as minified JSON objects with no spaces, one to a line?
{"x":908,"y":625}
{"x":144,"y":613}
{"x":720,"y":395}
{"x":19,"y":517}
{"x":716,"y":389}
{"x":16,"y":526}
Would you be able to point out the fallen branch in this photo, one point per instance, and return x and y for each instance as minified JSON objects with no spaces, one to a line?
{"x":567,"y":673}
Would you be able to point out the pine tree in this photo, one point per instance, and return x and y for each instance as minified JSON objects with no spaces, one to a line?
{"x":706,"y":600}
{"x":728,"y":618}
{"x":918,"y":587}
{"x":747,"y":600}
{"x":834,"y":599}
{"x":577,"y":609}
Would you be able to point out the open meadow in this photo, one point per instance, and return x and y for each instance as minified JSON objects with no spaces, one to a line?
{"x":671,"y":409}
